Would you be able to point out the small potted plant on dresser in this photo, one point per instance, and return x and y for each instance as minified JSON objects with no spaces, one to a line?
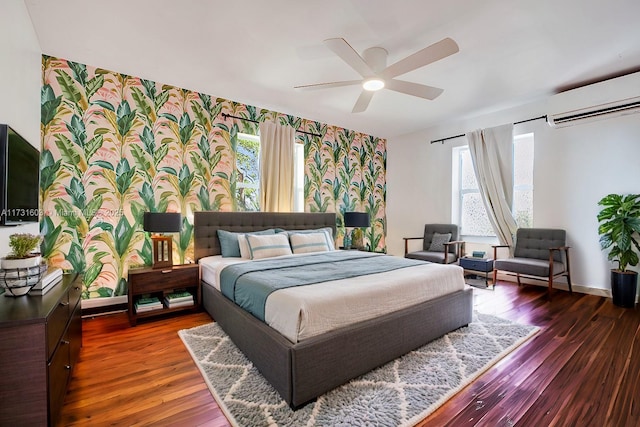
{"x":22,"y":268}
{"x":22,"y":246}
{"x":619,"y":230}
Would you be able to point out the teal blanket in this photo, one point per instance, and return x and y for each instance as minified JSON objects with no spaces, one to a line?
{"x":249,"y":284}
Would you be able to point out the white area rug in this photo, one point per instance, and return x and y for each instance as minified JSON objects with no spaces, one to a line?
{"x":400,"y":393}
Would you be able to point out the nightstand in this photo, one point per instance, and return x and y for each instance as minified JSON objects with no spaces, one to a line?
{"x":148,"y":284}
{"x":477,"y":265}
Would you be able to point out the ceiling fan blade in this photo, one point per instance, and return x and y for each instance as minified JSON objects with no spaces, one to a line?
{"x":363,"y":101}
{"x":433,"y":53}
{"x":414,"y":89}
{"x":344,"y":50}
{"x":329,"y":85}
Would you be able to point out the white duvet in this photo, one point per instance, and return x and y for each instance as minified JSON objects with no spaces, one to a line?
{"x":302,"y":312}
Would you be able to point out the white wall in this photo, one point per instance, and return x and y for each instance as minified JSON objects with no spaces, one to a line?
{"x":574,"y":168}
{"x":20,"y":80}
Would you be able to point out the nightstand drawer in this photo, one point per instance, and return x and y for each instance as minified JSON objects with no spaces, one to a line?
{"x":477,"y":264}
{"x":162,"y":279}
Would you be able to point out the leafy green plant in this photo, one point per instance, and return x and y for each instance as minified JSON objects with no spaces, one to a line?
{"x":619,"y":227}
{"x":22,"y":244}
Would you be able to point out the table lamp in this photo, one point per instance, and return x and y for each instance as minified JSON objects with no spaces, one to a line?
{"x":355,"y":220}
{"x":162,"y":222}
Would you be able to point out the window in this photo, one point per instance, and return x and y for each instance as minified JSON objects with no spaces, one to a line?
{"x":468,"y":210}
{"x":248,"y":167}
{"x":298,"y":178}
{"x":523,"y":180}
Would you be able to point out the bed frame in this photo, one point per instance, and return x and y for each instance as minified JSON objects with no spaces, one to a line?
{"x":303,"y":371}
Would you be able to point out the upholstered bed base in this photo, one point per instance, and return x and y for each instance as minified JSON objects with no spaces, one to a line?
{"x":303,"y":371}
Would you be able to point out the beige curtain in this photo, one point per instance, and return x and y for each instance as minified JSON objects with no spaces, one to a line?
{"x":492,"y":155}
{"x":276,"y":167}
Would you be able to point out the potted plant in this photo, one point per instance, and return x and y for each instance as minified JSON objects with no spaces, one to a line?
{"x":619,"y":227}
{"x":22,"y":246}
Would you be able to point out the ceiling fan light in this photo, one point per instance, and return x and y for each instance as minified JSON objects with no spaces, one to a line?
{"x":373,"y":84}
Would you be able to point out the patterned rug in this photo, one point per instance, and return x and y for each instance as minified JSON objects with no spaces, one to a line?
{"x":400,"y":393}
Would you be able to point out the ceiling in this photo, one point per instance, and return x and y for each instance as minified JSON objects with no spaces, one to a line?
{"x":511,"y":51}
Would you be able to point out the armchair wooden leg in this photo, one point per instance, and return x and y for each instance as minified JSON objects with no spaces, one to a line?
{"x":550,"y":287}
{"x":518,"y":278}
{"x":495,"y":277}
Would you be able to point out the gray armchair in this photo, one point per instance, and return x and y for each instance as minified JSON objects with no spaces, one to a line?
{"x":440,"y":244}
{"x":539,"y":253}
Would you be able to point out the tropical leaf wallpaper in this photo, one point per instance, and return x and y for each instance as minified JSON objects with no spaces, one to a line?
{"x":115,"y":146}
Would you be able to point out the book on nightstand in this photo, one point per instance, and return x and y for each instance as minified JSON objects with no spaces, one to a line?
{"x":179,"y":304}
{"x":178,"y":299}
{"x":148,"y":304}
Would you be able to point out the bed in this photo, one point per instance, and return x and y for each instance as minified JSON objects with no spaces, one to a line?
{"x":301,"y":371}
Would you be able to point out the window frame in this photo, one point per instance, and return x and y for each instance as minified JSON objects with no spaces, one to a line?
{"x":458,"y":193}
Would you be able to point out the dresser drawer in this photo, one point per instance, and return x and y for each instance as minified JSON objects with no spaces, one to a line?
{"x":75,"y":292}
{"x":74,"y":336}
{"x":59,"y":371}
{"x":57,"y":323}
{"x":158,"y":280}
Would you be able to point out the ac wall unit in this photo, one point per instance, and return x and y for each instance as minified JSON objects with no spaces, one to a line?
{"x":602,"y":100}
{"x":598,"y":112}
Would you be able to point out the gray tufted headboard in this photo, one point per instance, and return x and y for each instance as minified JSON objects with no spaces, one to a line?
{"x":207,"y":224}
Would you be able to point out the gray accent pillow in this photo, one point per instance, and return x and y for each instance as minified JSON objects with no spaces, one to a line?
{"x":438,"y":240}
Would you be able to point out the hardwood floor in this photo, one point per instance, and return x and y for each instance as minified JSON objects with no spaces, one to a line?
{"x":581,"y":369}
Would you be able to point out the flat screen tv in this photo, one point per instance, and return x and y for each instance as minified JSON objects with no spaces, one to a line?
{"x":19,"y":179}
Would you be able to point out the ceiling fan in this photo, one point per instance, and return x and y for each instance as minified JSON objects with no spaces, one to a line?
{"x":372,"y":66}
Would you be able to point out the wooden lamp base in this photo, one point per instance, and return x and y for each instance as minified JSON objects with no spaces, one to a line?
{"x":162,"y":252}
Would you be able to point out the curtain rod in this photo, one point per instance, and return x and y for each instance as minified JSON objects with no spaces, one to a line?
{"x":225,"y":115}
{"x":442,"y":140}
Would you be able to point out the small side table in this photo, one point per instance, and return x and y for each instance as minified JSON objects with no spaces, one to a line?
{"x":478,"y":265}
{"x":159,"y":283}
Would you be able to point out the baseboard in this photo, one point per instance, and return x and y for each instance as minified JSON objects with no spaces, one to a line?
{"x":103,"y":311}
{"x":99,"y":306}
{"x":557,"y":285}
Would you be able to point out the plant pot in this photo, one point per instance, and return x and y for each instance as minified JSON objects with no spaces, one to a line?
{"x":623,"y":288}
{"x":9,"y":264}
{"x":19,"y":281}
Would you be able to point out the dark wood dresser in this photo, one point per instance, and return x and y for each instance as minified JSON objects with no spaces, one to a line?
{"x":40,"y":340}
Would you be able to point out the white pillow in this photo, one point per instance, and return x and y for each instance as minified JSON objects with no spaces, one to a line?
{"x":327,"y":230}
{"x":267,"y":246}
{"x":309,"y":242}
{"x":244,"y":246}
